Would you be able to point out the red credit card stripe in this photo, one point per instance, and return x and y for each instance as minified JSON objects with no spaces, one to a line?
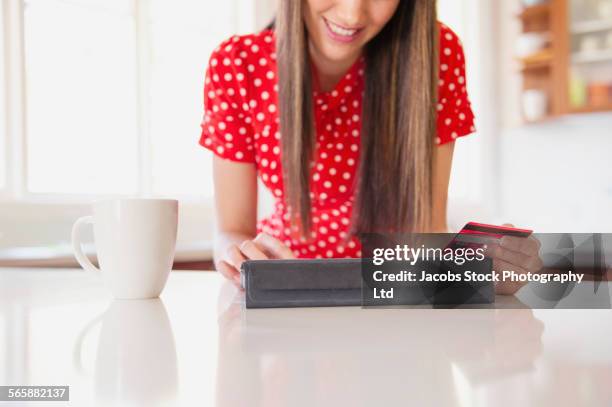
{"x":476,"y":232}
{"x":504,"y":230}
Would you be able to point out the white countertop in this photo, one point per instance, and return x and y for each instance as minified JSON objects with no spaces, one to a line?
{"x":197,"y":345}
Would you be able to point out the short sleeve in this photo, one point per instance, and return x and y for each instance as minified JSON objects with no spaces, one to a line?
{"x":226,"y":125}
{"x":455,"y":117}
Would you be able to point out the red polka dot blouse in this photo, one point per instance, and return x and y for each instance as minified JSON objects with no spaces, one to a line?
{"x":241,"y":123}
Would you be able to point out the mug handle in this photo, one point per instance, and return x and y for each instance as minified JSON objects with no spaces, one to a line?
{"x":76,"y":243}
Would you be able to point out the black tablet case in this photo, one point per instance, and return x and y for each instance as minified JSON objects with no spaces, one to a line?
{"x":338,"y":282}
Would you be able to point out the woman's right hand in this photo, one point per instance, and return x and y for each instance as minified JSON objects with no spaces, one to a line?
{"x":262,"y":247}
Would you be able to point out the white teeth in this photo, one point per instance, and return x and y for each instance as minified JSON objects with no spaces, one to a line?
{"x":339,"y":30}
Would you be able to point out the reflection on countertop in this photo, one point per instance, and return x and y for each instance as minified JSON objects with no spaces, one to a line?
{"x":364,"y":357}
{"x":198,"y":345}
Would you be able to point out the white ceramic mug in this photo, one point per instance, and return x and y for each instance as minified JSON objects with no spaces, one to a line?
{"x":135,"y":241}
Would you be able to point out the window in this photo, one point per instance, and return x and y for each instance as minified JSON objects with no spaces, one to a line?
{"x":2,"y":109}
{"x":105,"y":99}
{"x":82,"y":133}
{"x":113,"y":92}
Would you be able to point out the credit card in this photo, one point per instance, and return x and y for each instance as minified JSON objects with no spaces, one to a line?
{"x":476,"y":235}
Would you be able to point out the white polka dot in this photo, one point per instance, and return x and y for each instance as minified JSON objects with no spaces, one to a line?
{"x":255,"y":48}
{"x":447,"y":51}
{"x":262,"y":61}
{"x":257,"y":82}
{"x":264,"y":148}
{"x":274,"y":178}
{"x":265,"y":95}
{"x":227,"y":76}
{"x":239,"y":155}
{"x":327,"y":184}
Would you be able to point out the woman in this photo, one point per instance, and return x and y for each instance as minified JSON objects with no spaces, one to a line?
{"x":348,"y":111}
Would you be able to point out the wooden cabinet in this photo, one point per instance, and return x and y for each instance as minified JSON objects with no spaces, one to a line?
{"x":565,"y":52}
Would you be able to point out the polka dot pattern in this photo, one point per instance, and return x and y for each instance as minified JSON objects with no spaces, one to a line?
{"x":241,"y":123}
{"x":455,"y":116}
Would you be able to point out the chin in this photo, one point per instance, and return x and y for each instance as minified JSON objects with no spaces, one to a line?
{"x":338,"y":53}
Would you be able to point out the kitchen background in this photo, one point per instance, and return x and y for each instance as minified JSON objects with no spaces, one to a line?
{"x":103,"y":98}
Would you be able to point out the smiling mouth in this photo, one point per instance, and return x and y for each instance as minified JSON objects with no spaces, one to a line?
{"x":342,"y":33}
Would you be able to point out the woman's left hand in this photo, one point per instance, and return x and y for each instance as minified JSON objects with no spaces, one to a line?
{"x":518,"y":254}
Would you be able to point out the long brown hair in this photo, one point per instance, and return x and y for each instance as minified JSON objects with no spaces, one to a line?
{"x":394,"y":191}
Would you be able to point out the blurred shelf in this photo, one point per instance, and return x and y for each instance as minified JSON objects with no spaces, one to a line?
{"x":585,"y":27}
{"x":592,"y":109}
{"x":589,"y":57}
{"x":539,"y":11}
{"x":539,"y":60}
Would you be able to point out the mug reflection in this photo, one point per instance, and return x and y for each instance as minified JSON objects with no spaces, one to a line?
{"x":136,"y":361}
